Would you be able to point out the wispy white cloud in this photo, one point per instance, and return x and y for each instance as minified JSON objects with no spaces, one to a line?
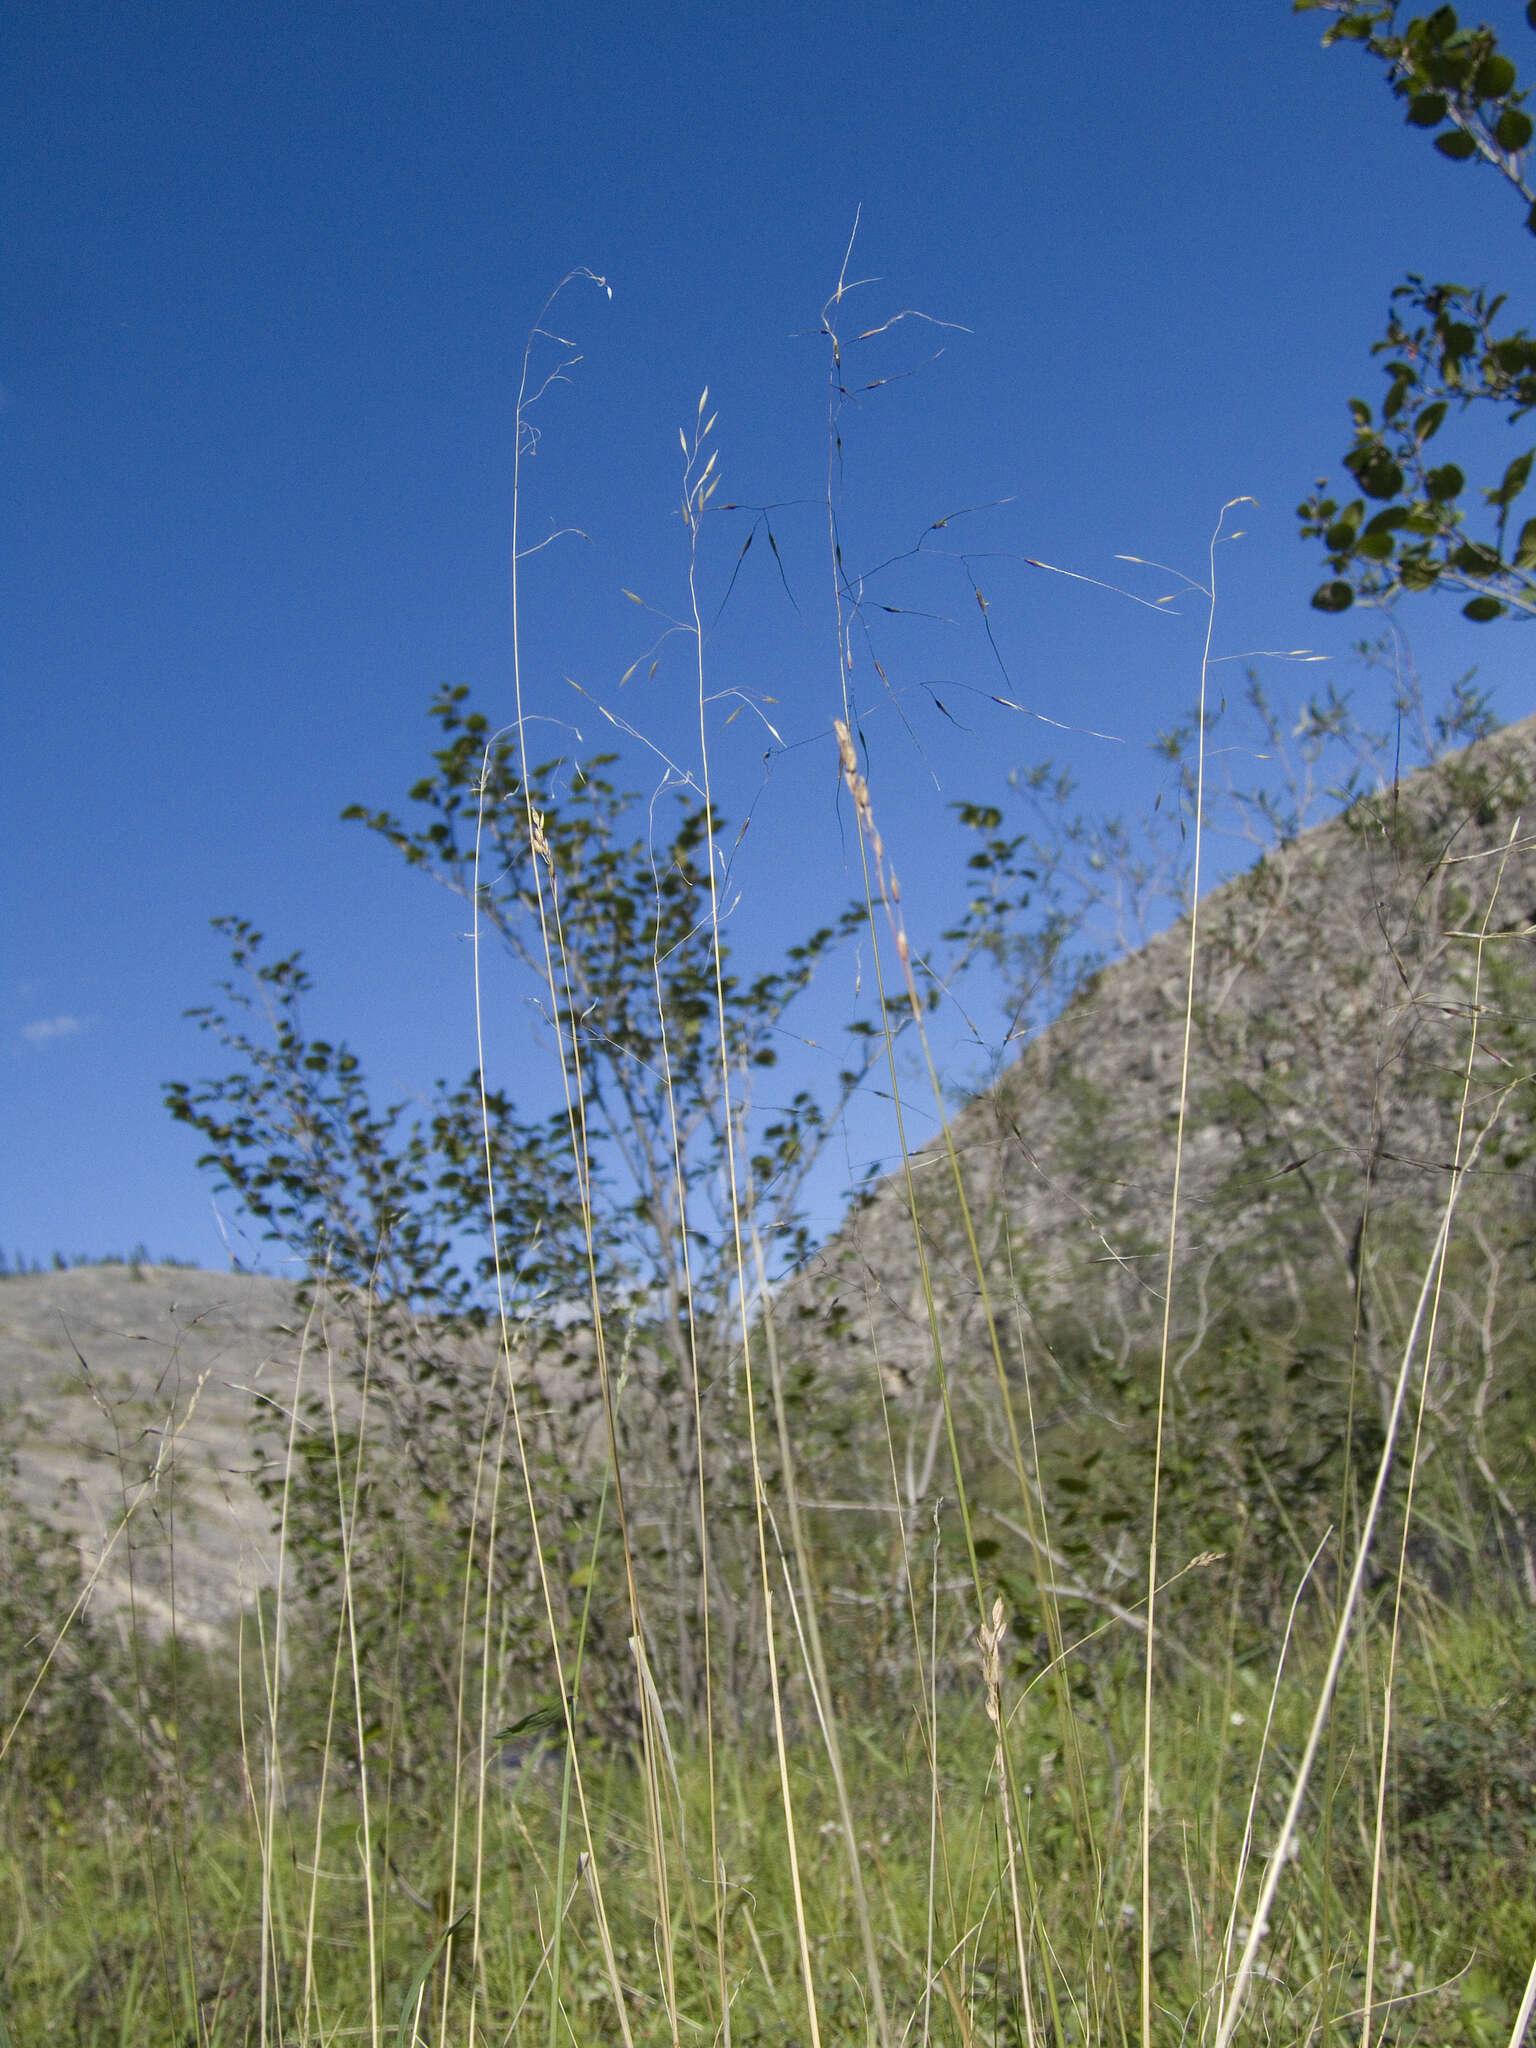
{"x":44,"y":1030}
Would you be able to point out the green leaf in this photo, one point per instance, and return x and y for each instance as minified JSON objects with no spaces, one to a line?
{"x":1495,"y":76}
{"x":1482,"y":609}
{"x":1340,"y":539}
{"x":1525,"y":553}
{"x":1333,"y":597}
{"x":1515,"y":479}
{"x":1457,"y":145}
{"x":1513,"y":129}
{"x":405,"y":2034}
{"x":551,"y":1715}
{"x":1429,"y":421}
{"x":1452,"y":74}
{"x":1457,"y":340}
{"x":1445,"y":483}
{"x":1513,"y":354}
{"x":1473,"y":559}
{"x":1427,"y":109}
{"x":987,"y":817}
{"x":1379,"y":540}
{"x":1350,"y":28}
{"x":1375,"y":471}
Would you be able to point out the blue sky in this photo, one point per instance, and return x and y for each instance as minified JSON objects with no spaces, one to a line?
{"x":270,"y":271}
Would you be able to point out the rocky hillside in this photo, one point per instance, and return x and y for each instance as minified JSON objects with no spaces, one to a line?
{"x":140,"y":1407}
{"x":133,"y":1387}
{"x":1339,"y":986}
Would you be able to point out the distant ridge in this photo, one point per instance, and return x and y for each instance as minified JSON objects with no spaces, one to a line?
{"x":108,"y":1371}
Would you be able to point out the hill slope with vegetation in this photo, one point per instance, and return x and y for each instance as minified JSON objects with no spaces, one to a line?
{"x":1341,"y":987}
{"x":1360,"y":1045}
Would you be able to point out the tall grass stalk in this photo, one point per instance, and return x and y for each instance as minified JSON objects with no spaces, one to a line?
{"x":700,"y":484}
{"x":570,"y":1082}
{"x":1166,"y":1342}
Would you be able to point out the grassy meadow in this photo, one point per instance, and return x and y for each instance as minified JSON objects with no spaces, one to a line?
{"x":1143,"y":1651}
